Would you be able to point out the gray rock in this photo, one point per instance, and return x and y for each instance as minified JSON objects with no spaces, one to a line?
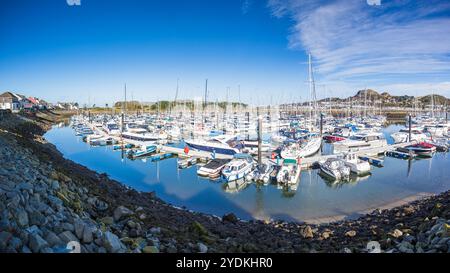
{"x":33,"y":230}
{"x":53,"y":240}
{"x":112,"y":243}
{"x":55,"y":203}
{"x":37,"y":243}
{"x":405,"y":247}
{"x":25,"y":186}
{"x":88,"y":234}
{"x":25,"y":249}
{"x":21,"y":217}
{"x":68,"y":226}
{"x":47,"y":250}
{"x":15,"y":243}
{"x":4,"y":239}
{"x":67,"y":236}
{"x":101,"y":250}
{"x":202,"y":248}
{"x":155,"y":230}
{"x":54,"y":185}
{"x":121,"y":212}
{"x":36,"y":218}
{"x":79,"y":227}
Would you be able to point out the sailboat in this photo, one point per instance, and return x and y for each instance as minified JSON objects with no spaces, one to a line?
{"x":313,"y":142}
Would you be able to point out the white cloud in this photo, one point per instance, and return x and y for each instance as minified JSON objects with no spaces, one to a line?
{"x":350,"y":39}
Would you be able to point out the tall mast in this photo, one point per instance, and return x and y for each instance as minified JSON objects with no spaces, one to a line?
{"x":312,"y":90}
{"x":125,"y":104}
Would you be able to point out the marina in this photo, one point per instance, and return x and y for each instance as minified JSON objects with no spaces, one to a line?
{"x":288,"y":189}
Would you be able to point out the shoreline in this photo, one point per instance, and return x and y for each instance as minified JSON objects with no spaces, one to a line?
{"x":106,"y":216}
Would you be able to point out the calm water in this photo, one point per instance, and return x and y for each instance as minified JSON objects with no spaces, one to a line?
{"x":314,"y":198}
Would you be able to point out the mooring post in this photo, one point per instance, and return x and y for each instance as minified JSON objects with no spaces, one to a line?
{"x":321,"y":124}
{"x":259,"y":137}
{"x":409,"y":123}
{"x":121,"y":129}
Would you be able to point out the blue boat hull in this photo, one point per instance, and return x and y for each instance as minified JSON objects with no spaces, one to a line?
{"x":211,"y":149}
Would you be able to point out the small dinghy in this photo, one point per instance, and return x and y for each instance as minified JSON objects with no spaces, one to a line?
{"x":144,"y":152}
{"x":402,"y":153}
{"x":187,"y":162}
{"x":378,"y":162}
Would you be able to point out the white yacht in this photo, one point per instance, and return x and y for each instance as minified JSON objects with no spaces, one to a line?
{"x":304,"y":149}
{"x":359,"y":142}
{"x":403,"y":136}
{"x":220,"y":144}
{"x":239,"y":167}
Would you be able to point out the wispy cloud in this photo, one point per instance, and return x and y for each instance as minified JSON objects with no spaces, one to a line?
{"x":245,"y":6}
{"x":350,"y":39}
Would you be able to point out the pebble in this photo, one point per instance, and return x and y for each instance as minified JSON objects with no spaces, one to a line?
{"x":350,"y":233}
{"x":307,"y":232}
{"x":121,"y":212}
{"x":202,"y":248}
{"x":396,"y":233}
{"x":150,"y":249}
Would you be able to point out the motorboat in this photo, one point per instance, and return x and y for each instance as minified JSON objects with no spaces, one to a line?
{"x":422,"y":149}
{"x":219,"y":144}
{"x":302,"y":149}
{"x":213,"y":168}
{"x":143,"y":152}
{"x":238,"y":167}
{"x":360,"y":141}
{"x":263,"y":173}
{"x":335,"y":168}
{"x":289,"y":172}
{"x":356,"y":165}
{"x":403,"y":136}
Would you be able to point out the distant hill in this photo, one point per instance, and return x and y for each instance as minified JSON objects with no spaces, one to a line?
{"x":372,"y":96}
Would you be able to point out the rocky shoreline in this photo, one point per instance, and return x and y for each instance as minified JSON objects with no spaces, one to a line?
{"x":47,"y":201}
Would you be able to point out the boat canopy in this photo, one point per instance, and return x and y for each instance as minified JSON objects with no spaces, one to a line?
{"x":242,"y":156}
{"x":290,"y":161}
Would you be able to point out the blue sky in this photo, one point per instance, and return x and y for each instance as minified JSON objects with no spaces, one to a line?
{"x":86,"y":53}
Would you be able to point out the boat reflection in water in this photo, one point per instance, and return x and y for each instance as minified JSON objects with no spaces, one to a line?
{"x":353,"y":180}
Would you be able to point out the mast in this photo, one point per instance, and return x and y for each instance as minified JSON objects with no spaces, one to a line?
{"x":312,"y":90}
{"x":125,"y":104}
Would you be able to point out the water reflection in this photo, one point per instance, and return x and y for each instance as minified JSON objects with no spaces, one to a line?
{"x":312,"y":197}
